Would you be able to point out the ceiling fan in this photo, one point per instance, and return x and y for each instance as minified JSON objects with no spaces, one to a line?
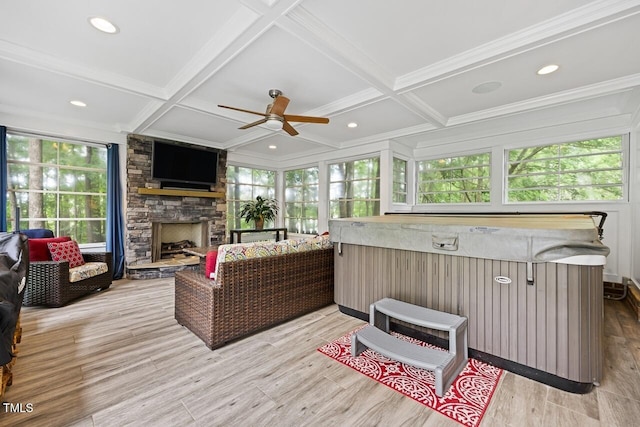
{"x":274,"y":117}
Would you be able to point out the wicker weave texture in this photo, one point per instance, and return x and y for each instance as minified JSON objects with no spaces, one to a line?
{"x":254,"y":294}
{"x":48,"y":281}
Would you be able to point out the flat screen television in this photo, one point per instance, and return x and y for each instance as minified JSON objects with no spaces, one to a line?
{"x":182,"y":164}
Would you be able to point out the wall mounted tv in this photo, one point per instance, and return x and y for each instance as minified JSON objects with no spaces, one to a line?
{"x":184,"y":166}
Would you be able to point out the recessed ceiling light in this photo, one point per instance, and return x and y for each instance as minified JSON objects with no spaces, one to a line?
{"x":486,"y":87}
{"x":352,"y":125}
{"x":78,"y":103}
{"x":548,"y":69}
{"x":103,"y":24}
{"x":272,"y":147}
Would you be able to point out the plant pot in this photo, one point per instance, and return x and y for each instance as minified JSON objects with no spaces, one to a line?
{"x":259,"y":223}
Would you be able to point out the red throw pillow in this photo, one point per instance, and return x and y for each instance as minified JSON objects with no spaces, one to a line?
{"x":38,"y":249}
{"x":210,"y":266}
{"x":66,"y":251}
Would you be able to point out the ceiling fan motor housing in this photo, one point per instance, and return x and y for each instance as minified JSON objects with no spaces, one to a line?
{"x":274,"y":93}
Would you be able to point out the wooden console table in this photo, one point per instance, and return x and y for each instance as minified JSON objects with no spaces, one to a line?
{"x":239,"y":232}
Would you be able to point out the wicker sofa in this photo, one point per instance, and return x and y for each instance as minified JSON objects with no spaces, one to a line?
{"x":253,"y":294}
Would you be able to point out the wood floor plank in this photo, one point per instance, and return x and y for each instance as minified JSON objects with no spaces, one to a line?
{"x":555,"y":415}
{"x":120,"y":358}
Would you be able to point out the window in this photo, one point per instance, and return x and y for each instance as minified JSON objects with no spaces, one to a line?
{"x":588,"y":170}
{"x":243,"y":185}
{"x":301,"y":200}
{"x":464,"y":179}
{"x":399,"y":180}
{"x":354,"y":188}
{"x":57,"y":185}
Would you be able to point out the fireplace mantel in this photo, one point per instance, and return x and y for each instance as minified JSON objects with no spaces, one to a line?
{"x":179,"y":193}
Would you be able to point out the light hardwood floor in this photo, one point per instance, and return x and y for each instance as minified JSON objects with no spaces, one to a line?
{"x":120,"y":358}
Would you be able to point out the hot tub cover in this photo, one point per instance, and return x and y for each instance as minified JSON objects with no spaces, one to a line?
{"x":571,"y":239}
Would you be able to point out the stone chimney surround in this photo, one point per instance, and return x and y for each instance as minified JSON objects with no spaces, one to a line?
{"x":145,"y":209}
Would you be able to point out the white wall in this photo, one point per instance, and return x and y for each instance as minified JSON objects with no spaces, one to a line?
{"x":632,"y":227}
{"x":620,"y":233}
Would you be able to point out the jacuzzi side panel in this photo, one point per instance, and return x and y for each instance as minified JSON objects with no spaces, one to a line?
{"x":553,"y":325}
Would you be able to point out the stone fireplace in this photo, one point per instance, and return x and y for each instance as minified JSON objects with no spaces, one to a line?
{"x":156,"y":217}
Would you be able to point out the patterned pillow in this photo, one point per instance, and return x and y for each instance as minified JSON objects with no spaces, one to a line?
{"x":66,"y":251}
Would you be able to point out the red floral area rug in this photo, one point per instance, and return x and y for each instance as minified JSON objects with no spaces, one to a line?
{"x":466,"y":400}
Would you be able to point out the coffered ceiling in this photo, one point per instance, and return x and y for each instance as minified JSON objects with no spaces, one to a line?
{"x":403,"y":71}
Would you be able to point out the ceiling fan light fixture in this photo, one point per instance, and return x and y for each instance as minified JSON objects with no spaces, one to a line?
{"x":274,"y":124}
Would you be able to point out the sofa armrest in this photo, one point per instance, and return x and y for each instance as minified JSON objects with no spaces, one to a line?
{"x":98,"y":257}
{"x":49,"y":271}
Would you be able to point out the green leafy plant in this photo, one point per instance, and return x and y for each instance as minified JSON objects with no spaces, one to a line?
{"x":259,"y":211}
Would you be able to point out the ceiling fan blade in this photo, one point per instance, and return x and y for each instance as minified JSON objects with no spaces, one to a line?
{"x":243,"y":110}
{"x":279,"y":105}
{"x":289,"y":129}
{"x":306,"y":119}
{"x":259,"y":122}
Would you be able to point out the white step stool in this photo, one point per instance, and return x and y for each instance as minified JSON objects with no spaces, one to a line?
{"x":445,"y":365}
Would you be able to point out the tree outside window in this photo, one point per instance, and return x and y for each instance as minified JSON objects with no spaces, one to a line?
{"x":301,"y":200}
{"x":463,"y":179}
{"x":354,"y":188}
{"x":589,"y":170}
{"x":244,"y":185}
{"x":57,"y":185}
{"x":399,"y":180}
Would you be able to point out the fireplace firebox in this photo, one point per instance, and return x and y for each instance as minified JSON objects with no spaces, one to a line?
{"x":169,"y":239}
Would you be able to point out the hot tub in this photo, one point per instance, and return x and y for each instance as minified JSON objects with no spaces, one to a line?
{"x":530,"y":285}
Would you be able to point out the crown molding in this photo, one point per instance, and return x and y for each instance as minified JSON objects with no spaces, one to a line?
{"x":562,"y":26}
{"x":582,"y":93}
{"x":50,"y":63}
{"x":181,"y":138}
{"x":59,"y":127}
{"x":424,"y":110}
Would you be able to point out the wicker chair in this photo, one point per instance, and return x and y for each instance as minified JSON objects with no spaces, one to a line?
{"x":254,"y":294}
{"x":48,"y":281}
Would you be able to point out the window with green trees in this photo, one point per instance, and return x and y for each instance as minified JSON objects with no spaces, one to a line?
{"x":244,"y":185}
{"x":57,"y":185}
{"x":301,"y":200}
{"x":588,"y":170}
{"x":354,"y":188}
{"x":463,"y":179}
{"x":399,"y":180}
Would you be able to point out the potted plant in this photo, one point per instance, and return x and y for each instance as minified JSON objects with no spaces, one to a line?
{"x":259,"y":211}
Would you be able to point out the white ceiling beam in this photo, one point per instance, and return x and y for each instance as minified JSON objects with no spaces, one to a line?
{"x":314,"y":32}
